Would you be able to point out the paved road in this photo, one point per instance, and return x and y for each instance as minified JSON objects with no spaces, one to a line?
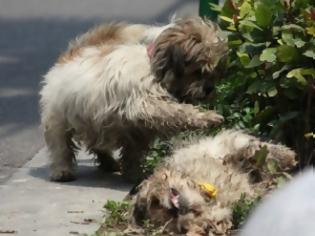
{"x":33,"y":33}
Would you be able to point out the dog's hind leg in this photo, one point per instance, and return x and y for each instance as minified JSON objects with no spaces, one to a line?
{"x":61,"y":150}
{"x":249,"y":152}
{"x":134,"y":149}
{"x":106,"y":161}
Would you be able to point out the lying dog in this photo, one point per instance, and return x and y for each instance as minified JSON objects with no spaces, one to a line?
{"x":112,"y":90}
{"x":178,"y":197}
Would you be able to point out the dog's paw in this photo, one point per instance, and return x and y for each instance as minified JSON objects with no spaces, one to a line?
{"x":213,"y":118}
{"x":62,"y":176}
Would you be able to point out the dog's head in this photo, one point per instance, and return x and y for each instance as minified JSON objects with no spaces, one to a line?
{"x":177,"y":203}
{"x":185,"y":58}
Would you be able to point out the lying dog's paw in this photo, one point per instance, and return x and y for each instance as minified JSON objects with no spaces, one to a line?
{"x":62,"y":176}
{"x":213,"y":118}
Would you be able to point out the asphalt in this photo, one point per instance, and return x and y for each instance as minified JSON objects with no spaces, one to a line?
{"x":33,"y":33}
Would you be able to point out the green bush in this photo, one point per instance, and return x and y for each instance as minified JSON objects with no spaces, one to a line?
{"x":269,"y":82}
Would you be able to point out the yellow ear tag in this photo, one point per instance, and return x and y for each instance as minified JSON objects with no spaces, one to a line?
{"x":210,"y":189}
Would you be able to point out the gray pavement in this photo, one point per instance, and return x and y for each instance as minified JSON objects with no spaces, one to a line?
{"x":33,"y":205}
{"x":33,"y":33}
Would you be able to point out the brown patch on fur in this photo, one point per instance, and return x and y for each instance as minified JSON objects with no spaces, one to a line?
{"x":69,"y":55}
{"x":102,"y":36}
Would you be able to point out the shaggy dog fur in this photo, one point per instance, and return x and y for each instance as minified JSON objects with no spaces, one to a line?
{"x":172,"y":196}
{"x":112,"y":90}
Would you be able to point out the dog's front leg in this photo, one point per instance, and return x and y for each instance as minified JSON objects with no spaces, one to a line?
{"x":164,"y":115}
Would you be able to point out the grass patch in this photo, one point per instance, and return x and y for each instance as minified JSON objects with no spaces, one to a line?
{"x":241,"y":210}
{"x":116,"y":222}
{"x":116,"y":219}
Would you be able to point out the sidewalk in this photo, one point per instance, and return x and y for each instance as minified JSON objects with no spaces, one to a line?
{"x":32,"y":205}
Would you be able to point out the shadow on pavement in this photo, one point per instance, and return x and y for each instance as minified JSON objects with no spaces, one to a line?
{"x":88,"y":175}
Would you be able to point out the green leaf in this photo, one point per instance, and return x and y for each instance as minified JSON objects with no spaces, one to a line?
{"x":275,"y":30}
{"x":235,"y":42}
{"x":299,"y":43}
{"x":248,"y":36}
{"x":272,"y":166}
{"x":245,"y":9}
{"x":250,"y":24}
{"x":256,"y":107}
{"x":287,"y":53}
{"x":297,"y":74}
{"x":227,"y":19}
{"x":215,"y":7}
{"x":310,"y":53}
{"x":260,"y":156}
{"x":269,"y":55}
{"x":292,"y":27}
{"x":263,"y":14}
{"x":308,"y":71}
{"x":244,"y":58}
{"x":277,"y":74}
{"x":255,"y":62}
{"x":287,"y":38}
{"x":231,"y":28}
{"x":272,"y":91}
{"x":311,"y":30}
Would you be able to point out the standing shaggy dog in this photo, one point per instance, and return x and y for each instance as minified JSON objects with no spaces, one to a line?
{"x":175,"y":197}
{"x":112,"y":90}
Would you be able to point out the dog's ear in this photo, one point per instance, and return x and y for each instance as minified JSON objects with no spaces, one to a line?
{"x":139,"y":212}
{"x":176,"y":60}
